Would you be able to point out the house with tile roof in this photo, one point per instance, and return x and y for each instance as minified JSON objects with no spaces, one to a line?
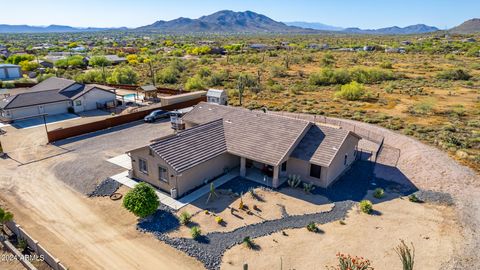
{"x":262,"y":147}
{"x":55,"y":96}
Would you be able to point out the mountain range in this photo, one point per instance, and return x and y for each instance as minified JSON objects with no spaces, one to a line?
{"x":227,"y":21}
{"x":468,"y":27}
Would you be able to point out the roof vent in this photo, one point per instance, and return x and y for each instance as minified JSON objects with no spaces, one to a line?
{"x":228,"y":121}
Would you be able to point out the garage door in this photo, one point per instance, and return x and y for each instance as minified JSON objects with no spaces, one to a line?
{"x":56,"y":108}
{"x":24,"y":112}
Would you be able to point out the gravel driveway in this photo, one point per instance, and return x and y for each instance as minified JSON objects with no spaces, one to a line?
{"x":86,"y":165}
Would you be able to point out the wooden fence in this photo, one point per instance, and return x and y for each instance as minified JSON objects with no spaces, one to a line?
{"x":64,"y":133}
{"x":36,"y":246}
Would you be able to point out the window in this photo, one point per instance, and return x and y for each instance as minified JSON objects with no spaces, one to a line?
{"x":345,"y":160}
{"x":150,"y":152}
{"x":162,"y":174}
{"x":143,"y":166}
{"x":315,"y":171}
{"x":284,"y":166}
{"x":78,"y":102}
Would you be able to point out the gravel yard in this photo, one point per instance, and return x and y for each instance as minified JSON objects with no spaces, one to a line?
{"x":86,"y":165}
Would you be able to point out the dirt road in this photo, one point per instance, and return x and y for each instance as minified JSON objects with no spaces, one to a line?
{"x":83,"y":233}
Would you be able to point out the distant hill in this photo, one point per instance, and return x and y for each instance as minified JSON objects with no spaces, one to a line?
{"x":314,"y":25}
{"x":225,"y":21}
{"x":395,"y":30}
{"x":468,"y":27}
{"x":6,"y":28}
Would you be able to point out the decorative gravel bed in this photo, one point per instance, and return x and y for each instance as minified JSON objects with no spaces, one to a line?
{"x":105,"y":188}
{"x":209,"y":248}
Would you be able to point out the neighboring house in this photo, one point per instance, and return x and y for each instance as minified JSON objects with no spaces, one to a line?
{"x":45,"y":64}
{"x":55,"y":96}
{"x":216,"y":96}
{"x":112,"y":58}
{"x":10,"y":72}
{"x":219,"y":139}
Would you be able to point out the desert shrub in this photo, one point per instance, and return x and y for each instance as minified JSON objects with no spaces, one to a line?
{"x":204,"y":72}
{"x":371,"y":75}
{"x":422,"y":108}
{"x":386,"y":65}
{"x":351,"y":91}
{"x":248,"y":242}
{"x":378,"y":193}
{"x":347,"y":262}
{"x":414,"y":198}
{"x":473,"y":123}
{"x":195,"y":232}
{"x":328,"y":60}
{"x":294,"y":181}
{"x":218,"y":78}
{"x":312,"y":227}
{"x":329,"y":76}
{"x":219,"y":220}
{"x":5,"y":216}
{"x":141,"y":200}
{"x":406,"y":255}
{"x":195,"y":83}
{"x":185,"y":218}
{"x":366,"y":206}
{"x":308,"y":188}
{"x":22,"y":244}
{"x":8,"y":85}
{"x":278,"y":71}
{"x":123,"y":75}
{"x":454,"y":75}
{"x":168,"y":75}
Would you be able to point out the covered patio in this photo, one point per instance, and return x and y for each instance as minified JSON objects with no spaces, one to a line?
{"x":265,"y":174}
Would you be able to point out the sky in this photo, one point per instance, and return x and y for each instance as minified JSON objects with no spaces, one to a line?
{"x":365,"y":14}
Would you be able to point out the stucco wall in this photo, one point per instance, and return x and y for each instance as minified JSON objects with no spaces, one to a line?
{"x":152,"y":163}
{"x":302,"y":168}
{"x":337,"y":167}
{"x":49,"y":108}
{"x":187,"y":180}
{"x":208,"y":170}
{"x":90,"y":99}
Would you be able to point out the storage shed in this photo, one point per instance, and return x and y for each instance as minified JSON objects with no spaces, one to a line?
{"x":216,"y":96}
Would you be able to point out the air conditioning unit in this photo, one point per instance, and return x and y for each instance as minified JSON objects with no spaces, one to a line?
{"x":173,"y":193}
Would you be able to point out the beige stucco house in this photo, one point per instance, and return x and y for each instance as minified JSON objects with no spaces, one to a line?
{"x":219,"y":139}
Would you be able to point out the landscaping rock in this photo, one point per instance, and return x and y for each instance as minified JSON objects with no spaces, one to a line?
{"x":106,"y":188}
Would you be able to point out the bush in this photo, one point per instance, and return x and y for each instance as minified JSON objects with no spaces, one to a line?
{"x":219,"y":220}
{"x":247,"y":242}
{"x":387,"y":65}
{"x":195,"y":83}
{"x":278,"y":71}
{"x":195,"y":232}
{"x":308,"y":188}
{"x":168,"y":75}
{"x":379,"y":193}
{"x":123,"y":75}
{"x":5,"y":216}
{"x":347,"y":262}
{"x":351,"y":91}
{"x":312,"y":227}
{"x":185,"y":218}
{"x":294,"y":181}
{"x":141,"y":200}
{"x":366,"y":206}
{"x":414,"y":198}
{"x":454,"y":75}
{"x":329,"y":76}
{"x":406,"y":255}
{"x":328,"y":60}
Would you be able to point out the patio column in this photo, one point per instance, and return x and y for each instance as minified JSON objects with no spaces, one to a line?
{"x":275,"y":180}
{"x":243,"y":166}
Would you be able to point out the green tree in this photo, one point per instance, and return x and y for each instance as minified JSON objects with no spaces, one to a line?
{"x":5,"y":216}
{"x":99,"y":61}
{"x":351,"y":91}
{"x":168,"y":75}
{"x":195,"y":83}
{"x":74,"y":61}
{"x":17,"y":58}
{"x":28,"y":65}
{"x":123,"y":75}
{"x":141,"y":200}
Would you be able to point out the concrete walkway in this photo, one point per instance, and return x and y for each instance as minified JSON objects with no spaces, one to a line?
{"x":123,"y":161}
{"x":169,"y":201}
